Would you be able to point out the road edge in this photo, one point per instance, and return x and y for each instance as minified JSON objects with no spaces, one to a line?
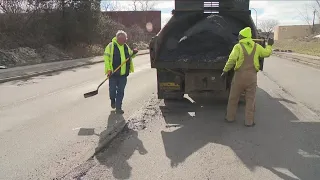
{"x":53,"y":70}
{"x":298,"y":59}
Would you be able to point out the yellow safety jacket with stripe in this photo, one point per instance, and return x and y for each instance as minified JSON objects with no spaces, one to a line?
{"x":236,"y":56}
{"x":119,"y":53}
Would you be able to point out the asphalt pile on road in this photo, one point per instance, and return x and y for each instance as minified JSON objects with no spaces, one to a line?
{"x":209,"y":40}
{"x":148,"y":113}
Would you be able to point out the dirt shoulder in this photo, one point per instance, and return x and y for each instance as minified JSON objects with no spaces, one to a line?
{"x":305,"y":51}
{"x":313,"y":61}
{"x":25,"y":56}
{"x":301,"y":46}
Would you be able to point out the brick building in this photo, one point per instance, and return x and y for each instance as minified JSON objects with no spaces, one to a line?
{"x":294,"y":31}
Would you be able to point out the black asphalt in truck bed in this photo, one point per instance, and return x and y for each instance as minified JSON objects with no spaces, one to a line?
{"x":209,"y":40}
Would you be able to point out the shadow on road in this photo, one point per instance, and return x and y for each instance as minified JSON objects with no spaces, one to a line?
{"x":280,"y":142}
{"x":127,"y":141}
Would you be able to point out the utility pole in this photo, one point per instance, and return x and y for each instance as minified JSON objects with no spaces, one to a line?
{"x":314,"y":17}
{"x":256,"y":17}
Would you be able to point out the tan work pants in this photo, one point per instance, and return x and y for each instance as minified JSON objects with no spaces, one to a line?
{"x":250,"y":93}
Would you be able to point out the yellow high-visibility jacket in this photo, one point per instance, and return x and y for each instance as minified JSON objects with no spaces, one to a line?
{"x":109,"y":54}
{"x":236,"y":56}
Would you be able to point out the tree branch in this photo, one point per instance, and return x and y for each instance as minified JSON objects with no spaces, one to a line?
{"x":268,"y":25}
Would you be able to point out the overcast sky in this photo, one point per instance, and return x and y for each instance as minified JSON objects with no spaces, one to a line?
{"x":287,"y":12}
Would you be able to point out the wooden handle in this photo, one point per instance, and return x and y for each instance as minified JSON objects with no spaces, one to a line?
{"x":114,"y":71}
{"x":121,"y":65}
{"x":258,"y":39}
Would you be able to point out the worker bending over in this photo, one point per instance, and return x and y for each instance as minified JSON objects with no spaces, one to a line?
{"x":116,"y":52}
{"x":245,"y":60}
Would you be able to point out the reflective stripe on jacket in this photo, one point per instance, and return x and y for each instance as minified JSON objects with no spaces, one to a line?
{"x":110,"y":57}
{"x":236,"y":56}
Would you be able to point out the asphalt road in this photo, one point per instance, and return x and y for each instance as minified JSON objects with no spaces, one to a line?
{"x":299,"y":80}
{"x":41,"y":118}
{"x":190,"y":140}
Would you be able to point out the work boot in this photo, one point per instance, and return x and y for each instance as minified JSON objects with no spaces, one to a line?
{"x":229,"y":121}
{"x":253,"y":124}
{"x":225,"y":118}
{"x":119,"y":111}
{"x":113,"y":104}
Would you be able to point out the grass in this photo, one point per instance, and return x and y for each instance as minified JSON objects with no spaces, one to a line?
{"x":302,"y":46}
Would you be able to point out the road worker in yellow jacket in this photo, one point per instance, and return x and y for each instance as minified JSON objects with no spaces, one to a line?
{"x":116,"y":53}
{"x":244,"y":58}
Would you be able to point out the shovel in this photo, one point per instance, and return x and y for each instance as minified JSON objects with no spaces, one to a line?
{"x":95,"y":92}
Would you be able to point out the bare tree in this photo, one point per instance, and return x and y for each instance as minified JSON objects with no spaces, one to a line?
{"x":309,"y":13}
{"x":112,"y":6}
{"x":268,"y":25}
{"x":142,"y":5}
{"x":135,"y":5}
{"x":305,"y":14}
{"x":147,"y":5}
{"x":11,"y":6}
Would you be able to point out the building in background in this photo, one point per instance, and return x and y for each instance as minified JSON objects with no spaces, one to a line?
{"x":294,"y":31}
{"x":141,"y":18}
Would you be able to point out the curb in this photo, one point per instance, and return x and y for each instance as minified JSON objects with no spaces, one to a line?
{"x":52,"y":71}
{"x":302,"y":60}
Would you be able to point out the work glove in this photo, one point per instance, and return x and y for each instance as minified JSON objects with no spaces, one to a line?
{"x":135,"y":51}
{"x":223,"y":74}
{"x":270,"y":41}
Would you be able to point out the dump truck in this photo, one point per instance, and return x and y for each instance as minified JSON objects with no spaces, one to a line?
{"x":190,"y":51}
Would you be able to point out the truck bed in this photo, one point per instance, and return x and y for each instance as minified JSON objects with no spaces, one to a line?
{"x":190,"y":65}
{"x":206,"y":43}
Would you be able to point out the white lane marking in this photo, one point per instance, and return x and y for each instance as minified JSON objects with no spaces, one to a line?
{"x":286,"y":172}
{"x":192,"y":114}
{"x":307,"y":155}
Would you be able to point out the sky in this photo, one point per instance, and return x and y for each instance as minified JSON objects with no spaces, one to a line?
{"x":286,"y":12}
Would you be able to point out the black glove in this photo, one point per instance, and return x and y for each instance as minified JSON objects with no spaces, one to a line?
{"x":223,"y":74}
{"x":135,"y":51}
{"x":270,"y":41}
